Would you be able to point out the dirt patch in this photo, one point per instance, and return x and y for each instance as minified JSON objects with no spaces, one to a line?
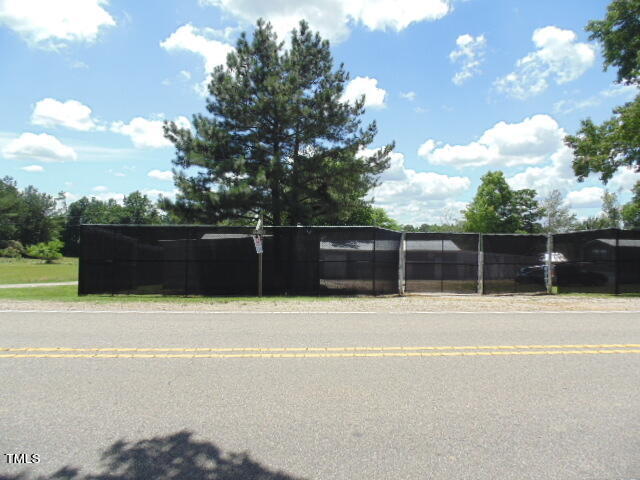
{"x":410,"y":303}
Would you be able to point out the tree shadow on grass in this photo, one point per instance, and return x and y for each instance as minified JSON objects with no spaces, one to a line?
{"x":174,"y":457}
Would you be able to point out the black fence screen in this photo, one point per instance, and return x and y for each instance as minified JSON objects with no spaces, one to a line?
{"x":628,"y":262}
{"x":441,"y":262}
{"x":594,"y":262}
{"x":358,"y":261}
{"x":514,"y":263}
{"x":201,"y":260}
{"x":205,"y":260}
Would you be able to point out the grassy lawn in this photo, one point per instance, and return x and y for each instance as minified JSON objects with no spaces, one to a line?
{"x":26,"y":270}
{"x":69,"y":293}
{"x":599,"y":295}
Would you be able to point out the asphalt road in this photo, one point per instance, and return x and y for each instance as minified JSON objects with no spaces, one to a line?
{"x":320,"y":396}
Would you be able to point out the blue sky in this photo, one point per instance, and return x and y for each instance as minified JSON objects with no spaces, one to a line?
{"x":462,"y":87}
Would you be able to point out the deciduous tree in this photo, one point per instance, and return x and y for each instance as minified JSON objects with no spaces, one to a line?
{"x":631,"y":210}
{"x":497,"y":208}
{"x":558,"y":217}
{"x":9,"y":202}
{"x":614,"y":143}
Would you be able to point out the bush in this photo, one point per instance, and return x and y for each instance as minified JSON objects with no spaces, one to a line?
{"x":11,"y":249}
{"x":10,"y":253}
{"x":46,"y":251}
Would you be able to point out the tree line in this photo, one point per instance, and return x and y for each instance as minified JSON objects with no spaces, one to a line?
{"x":29,"y":217}
{"x":496,"y":208}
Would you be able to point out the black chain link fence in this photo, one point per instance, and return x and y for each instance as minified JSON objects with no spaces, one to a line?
{"x":204,"y":260}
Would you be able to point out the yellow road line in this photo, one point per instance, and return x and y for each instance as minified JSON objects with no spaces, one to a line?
{"x":322,"y":355}
{"x":318,"y":349}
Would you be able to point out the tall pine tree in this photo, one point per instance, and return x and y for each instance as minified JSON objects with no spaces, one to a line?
{"x":279,"y":139}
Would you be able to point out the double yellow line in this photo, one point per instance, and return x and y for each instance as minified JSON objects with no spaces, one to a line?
{"x":318,"y":352}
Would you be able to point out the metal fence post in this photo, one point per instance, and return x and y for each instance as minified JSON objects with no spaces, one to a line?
{"x":113,"y":262}
{"x":186,"y":266}
{"x":402,"y":252}
{"x":318,"y":241}
{"x":480,"y":265}
{"x":549,"y":263}
{"x":616,"y":288}
{"x":375,"y":230}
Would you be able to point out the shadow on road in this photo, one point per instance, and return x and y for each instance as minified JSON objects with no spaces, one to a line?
{"x":176,"y":456}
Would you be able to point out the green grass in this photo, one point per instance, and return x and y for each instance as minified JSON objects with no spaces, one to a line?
{"x":600,"y":295}
{"x":69,"y":293}
{"x":26,"y":270}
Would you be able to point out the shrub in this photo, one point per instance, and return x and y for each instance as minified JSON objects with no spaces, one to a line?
{"x":10,"y":252}
{"x":46,"y":251}
{"x":11,"y":249}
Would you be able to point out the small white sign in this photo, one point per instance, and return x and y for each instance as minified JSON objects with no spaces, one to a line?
{"x":257,"y":241}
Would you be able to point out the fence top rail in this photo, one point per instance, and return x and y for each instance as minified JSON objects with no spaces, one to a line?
{"x":344,"y":227}
{"x":196,"y":225}
{"x":443,"y":233}
{"x":598,"y":231}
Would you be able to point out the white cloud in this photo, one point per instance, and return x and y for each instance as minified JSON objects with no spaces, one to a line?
{"x":427,"y":148}
{"x":411,"y":96}
{"x":558,"y":57}
{"x":79,"y":65}
{"x":32,"y":168}
{"x":627,"y":92}
{"x":54,"y":24}
{"x":161,"y":174}
{"x":104,"y":196}
{"x":470,"y":53}
{"x":201,"y":41}
{"x":41,"y":147}
{"x":588,"y":197}
{"x":71,"y":114}
{"x":415,"y":197}
{"x":71,"y":197}
{"x":624,"y":179}
{"x":569,"y":106}
{"x":198,"y":40}
{"x":529,"y":142}
{"x":617,"y":90}
{"x":334,"y":18}
{"x":557,"y":175}
{"x":100,"y":188}
{"x":374,"y":96}
{"x":146,"y":133}
{"x":154,"y":194}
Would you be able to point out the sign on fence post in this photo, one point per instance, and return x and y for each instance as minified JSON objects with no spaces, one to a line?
{"x":257,"y":241}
